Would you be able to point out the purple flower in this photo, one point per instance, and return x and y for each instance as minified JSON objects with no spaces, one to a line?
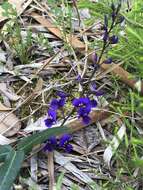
{"x":84,"y":106}
{"x":80,"y":101}
{"x":65,"y":139}
{"x":93,"y":88}
{"x":52,"y":114}
{"x":113,"y":16}
{"x":93,"y":103}
{"x":51,"y":144}
{"x":62,"y":94}
{"x":79,"y":78}
{"x":114,"y":39}
{"x":49,"y":122}
{"x":54,"y":104}
{"x":86,"y":119}
{"x":105,"y":36}
{"x":58,"y":103}
{"x":108,"y":61}
{"x":61,"y":102}
{"x":85,"y":110}
{"x":68,"y":148}
{"x":64,"y":143}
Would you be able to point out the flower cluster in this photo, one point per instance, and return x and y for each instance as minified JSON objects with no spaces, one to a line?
{"x":95,"y":91}
{"x":83,"y":106}
{"x":63,"y":142}
{"x":54,"y":143}
{"x":115,"y":19}
{"x":55,"y":105}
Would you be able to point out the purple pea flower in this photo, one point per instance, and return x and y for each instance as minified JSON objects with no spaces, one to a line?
{"x":51,"y":118}
{"x":114,"y":39}
{"x":54,"y":106}
{"x":84,"y":106}
{"x":51,"y":144}
{"x":79,"y":78}
{"x":64,"y":142}
{"x":94,"y":90}
{"x":62,"y":94}
{"x":64,"y":139}
{"x":105,"y":36}
{"x":108,"y":61}
{"x":68,"y":148}
{"x":52,"y":113}
{"x":49,"y":122}
{"x":58,"y":103}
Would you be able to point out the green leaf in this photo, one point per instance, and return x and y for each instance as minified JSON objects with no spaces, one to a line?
{"x":4,"y":150}
{"x":10,"y":169}
{"x":26,"y":144}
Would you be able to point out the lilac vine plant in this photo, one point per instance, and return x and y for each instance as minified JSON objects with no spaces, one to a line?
{"x":82,"y":105}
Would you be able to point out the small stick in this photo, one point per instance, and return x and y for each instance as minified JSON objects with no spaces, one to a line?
{"x":52,"y":185}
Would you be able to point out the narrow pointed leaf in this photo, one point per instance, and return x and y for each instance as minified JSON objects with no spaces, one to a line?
{"x":10,"y":169}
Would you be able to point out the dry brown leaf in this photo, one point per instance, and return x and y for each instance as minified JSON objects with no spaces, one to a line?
{"x":75,"y":43}
{"x":9,"y":124}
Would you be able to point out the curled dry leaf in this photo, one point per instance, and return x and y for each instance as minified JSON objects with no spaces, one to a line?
{"x":9,"y":124}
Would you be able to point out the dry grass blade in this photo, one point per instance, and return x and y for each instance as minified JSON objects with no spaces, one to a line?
{"x":63,"y":161}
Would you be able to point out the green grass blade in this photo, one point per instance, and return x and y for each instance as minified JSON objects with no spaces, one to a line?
{"x":59,"y":182}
